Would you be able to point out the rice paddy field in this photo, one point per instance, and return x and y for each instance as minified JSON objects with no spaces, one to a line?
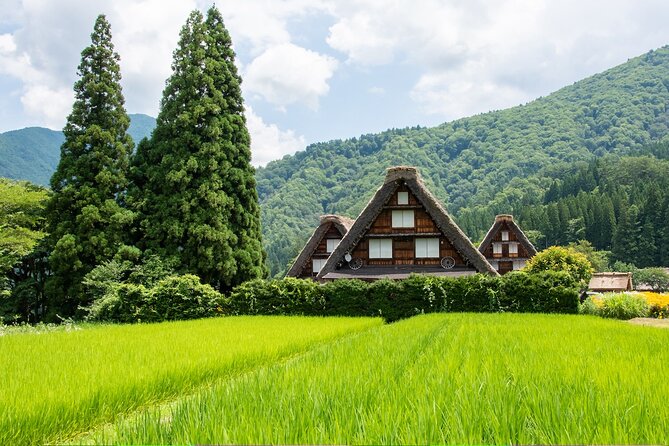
{"x":55,"y":384}
{"x":431,"y":379}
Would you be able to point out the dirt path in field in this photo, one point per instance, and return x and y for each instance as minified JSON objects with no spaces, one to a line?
{"x":650,"y":322}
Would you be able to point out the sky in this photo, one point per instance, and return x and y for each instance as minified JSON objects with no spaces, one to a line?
{"x":317,"y":70}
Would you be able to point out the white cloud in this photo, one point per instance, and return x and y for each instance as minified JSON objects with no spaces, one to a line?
{"x":264,"y":23}
{"x":51,"y":105}
{"x":44,"y":50}
{"x":476,"y":55}
{"x":286,"y":74}
{"x":268,"y":142}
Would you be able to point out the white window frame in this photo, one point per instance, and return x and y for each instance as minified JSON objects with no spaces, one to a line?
{"x":402,"y":197}
{"x":505,"y":236}
{"x":380,"y":248}
{"x":403,"y":218}
{"x":497,"y":248}
{"x":513,"y":248}
{"x":427,"y":248}
{"x":317,"y":262}
{"x":331,"y":244}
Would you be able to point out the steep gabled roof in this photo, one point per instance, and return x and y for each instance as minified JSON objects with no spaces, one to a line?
{"x":343,"y":224}
{"x":611,"y":282}
{"x":410,"y":177}
{"x":520,"y":235}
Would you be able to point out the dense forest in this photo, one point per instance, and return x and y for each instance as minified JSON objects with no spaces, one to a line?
{"x":497,"y":162}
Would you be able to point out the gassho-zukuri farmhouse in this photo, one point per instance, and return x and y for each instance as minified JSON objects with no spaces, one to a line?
{"x":403,"y":230}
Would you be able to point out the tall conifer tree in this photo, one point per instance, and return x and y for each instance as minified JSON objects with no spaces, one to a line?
{"x":195,"y":187}
{"x":85,"y":214}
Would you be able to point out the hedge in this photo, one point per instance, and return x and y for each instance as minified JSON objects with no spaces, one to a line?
{"x":544,"y":292}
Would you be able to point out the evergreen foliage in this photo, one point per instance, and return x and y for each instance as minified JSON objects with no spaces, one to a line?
{"x":194,"y":188}
{"x":85,"y":214}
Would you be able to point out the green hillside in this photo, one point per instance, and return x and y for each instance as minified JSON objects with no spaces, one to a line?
{"x":497,"y":161}
{"x":32,"y":153}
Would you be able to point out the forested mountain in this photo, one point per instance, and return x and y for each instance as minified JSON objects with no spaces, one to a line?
{"x":501,"y":161}
{"x":619,"y":204}
{"x":32,"y":153}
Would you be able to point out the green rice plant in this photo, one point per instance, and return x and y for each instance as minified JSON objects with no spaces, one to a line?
{"x":437,"y":379}
{"x":57,"y":384}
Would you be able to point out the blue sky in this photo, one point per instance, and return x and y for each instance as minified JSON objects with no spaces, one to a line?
{"x":316,"y":70}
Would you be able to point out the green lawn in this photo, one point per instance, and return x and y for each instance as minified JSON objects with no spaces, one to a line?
{"x":55,"y":384}
{"x":447,"y":378}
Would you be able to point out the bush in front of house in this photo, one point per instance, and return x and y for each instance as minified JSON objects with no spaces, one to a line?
{"x":561,"y":259}
{"x":176,"y":297}
{"x":542,"y":292}
{"x":347,"y":298}
{"x":278,"y":296}
{"x":616,"y":306}
{"x":547,"y":292}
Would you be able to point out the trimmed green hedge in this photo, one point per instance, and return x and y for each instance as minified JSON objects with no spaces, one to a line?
{"x":544,"y":292}
{"x":172,"y":298}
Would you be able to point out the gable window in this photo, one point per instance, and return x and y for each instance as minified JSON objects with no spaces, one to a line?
{"x":403,"y":198}
{"x":505,"y":236}
{"x":332,"y":244}
{"x":513,"y":248}
{"x":317,"y":265}
{"x":380,"y":248}
{"x":497,"y":248}
{"x":427,"y":248}
{"x":403,"y":219}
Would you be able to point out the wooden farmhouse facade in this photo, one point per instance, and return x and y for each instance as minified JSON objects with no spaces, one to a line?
{"x":403,"y":230}
{"x":321,"y":244}
{"x":505,"y":246}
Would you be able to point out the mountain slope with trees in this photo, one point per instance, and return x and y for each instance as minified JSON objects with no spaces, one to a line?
{"x":494,"y":162}
{"x":33,"y":153}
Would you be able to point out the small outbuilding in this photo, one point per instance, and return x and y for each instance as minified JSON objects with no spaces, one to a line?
{"x":610,"y":282}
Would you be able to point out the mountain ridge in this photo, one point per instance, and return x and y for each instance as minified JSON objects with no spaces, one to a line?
{"x":32,"y":153}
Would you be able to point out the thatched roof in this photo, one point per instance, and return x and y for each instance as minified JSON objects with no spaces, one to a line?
{"x":508,"y":219}
{"x":409,"y":176}
{"x":611,"y":282}
{"x":343,"y":224}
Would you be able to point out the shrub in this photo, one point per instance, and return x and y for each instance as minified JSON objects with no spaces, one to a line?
{"x":477,"y":293}
{"x":590,"y":306}
{"x":623,"y":306}
{"x":347,"y":298}
{"x":172,"y":298}
{"x":182,"y":297}
{"x":557,"y":258}
{"x":543,"y":292}
{"x":122,"y":303}
{"x":284,"y":296}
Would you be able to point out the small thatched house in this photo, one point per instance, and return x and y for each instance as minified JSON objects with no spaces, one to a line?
{"x":505,"y":246}
{"x":323,"y":241}
{"x":404,"y":230}
{"x":610,"y":282}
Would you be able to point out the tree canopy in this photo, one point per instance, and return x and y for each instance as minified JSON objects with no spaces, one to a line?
{"x":194,"y":188}
{"x":86,"y":217}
